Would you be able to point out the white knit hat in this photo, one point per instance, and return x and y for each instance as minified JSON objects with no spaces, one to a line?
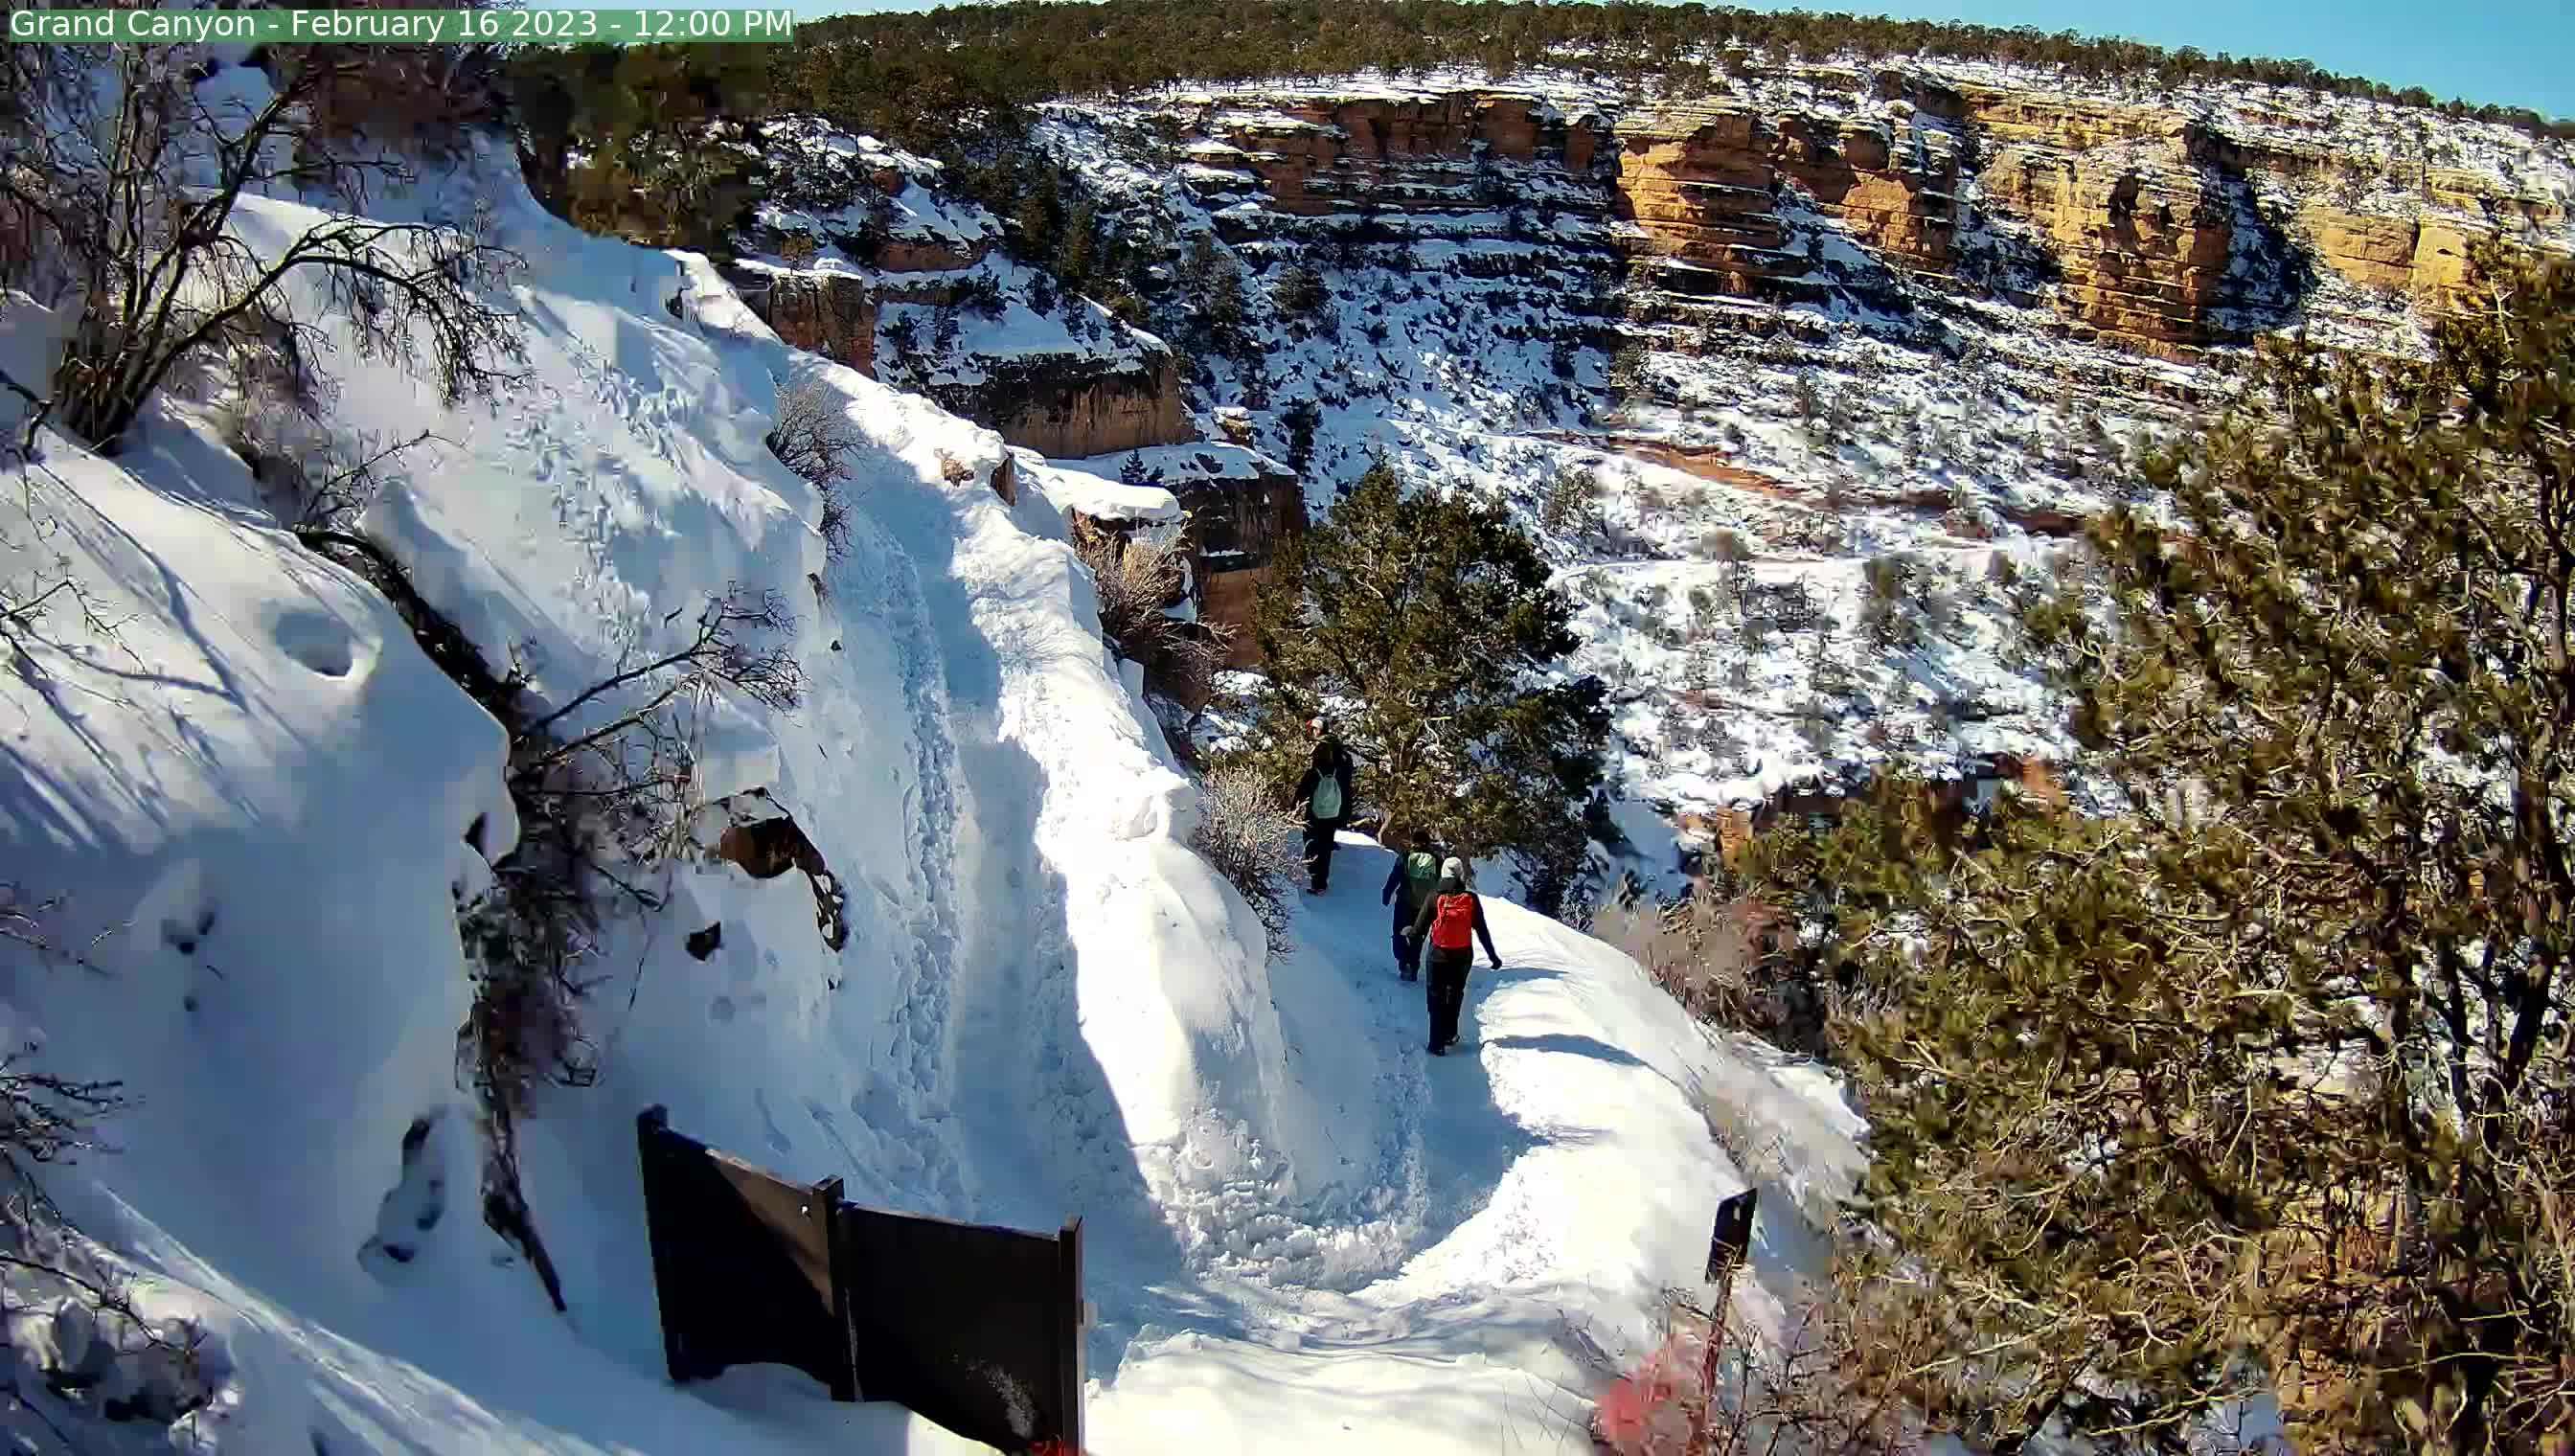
{"x":1454,"y":868}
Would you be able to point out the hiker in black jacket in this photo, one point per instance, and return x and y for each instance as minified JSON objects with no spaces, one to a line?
{"x":1449,"y":918}
{"x":1324,"y":795}
{"x":1408,"y":886}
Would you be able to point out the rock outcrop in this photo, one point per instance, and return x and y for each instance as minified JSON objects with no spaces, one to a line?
{"x":2136,"y":222}
{"x":1064,"y":409}
{"x":2142,"y":237}
{"x":1241,"y":506}
{"x":2424,"y":259}
{"x":831,"y":314}
{"x":1325,"y":156}
{"x":1236,"y":525}
{"x":1705,"y":181}
{"x":1821,"y":800}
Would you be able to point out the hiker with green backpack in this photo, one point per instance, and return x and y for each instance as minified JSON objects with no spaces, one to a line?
{"x":1408,"y":886}
{"x":1324,"y":795}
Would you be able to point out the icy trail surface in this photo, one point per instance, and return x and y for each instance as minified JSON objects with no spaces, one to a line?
{"x":259,"y":807}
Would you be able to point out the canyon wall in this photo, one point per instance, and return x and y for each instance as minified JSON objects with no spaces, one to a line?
{"x":1070,"y":407}
{"x":1800,"y":383}
{"x":1318,"y":156}
{"x":1705,"y":181}
{"x":1235,"y":527}
{"x":2146,"y":227}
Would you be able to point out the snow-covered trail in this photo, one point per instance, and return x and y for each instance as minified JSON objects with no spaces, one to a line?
{"x":1530,"y":1194}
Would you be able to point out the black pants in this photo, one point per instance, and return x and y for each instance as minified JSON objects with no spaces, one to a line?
{"x":1407,"y":951}
{"x":1319,"y":853}
{"x":1446,"y":991}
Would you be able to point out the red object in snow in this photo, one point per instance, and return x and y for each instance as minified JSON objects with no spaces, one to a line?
{"x":1647,"y":1413}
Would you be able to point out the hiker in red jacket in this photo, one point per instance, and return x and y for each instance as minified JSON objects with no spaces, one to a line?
{"x":1451,"y":917}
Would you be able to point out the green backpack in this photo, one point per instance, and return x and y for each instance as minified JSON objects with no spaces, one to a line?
{"x":1420,"y":875}
{"x":1327,"y":798}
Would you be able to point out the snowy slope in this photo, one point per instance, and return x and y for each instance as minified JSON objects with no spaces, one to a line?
{"x":253,"y":803}
{"x":256,"y":798}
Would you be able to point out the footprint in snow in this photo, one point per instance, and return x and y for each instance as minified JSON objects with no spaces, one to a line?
{"x":318,"y":640}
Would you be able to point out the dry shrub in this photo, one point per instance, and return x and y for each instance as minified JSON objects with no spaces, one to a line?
{"x":598,"y":810}
{"x":44,"y":1120}
{"x":1251,"y":841}
{"x":1136,"y":582}
{"x":815,"y":438}
{"x":108,"y":167}
{"x":313,"y":479}
{"x":83,"y":1352}
{"x":1800,"y":1393}
{"x":1723,"y":959}
{"x":428,"y":98}
{"x":424,"y":96}
{"x":602,"y":785}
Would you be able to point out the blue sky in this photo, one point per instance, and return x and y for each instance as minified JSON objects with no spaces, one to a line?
{"x":2510,"y":52}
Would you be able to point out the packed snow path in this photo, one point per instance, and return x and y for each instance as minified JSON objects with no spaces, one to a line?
{"x":1303,"y":1233}
{"x":1537,"y":1188}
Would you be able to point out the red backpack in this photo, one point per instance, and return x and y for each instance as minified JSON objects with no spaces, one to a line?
{"x":1452,"y":926}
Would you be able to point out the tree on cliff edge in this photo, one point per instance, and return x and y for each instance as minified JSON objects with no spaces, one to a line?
{"x":1434,"y":616}
{"x":2265,"y":1078}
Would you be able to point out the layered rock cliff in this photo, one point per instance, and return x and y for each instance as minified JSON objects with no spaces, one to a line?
{"x":1068,"y":405}
{"x":2159,"y":227}
{"x":1705,"y":181}
{"x":1804,"y":381}
{"x":861,"y":253}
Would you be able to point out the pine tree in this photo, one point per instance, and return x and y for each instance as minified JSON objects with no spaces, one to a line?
{"x":1885,"y":614}
{"x":1572,"y":502}
{"x":1302,"y":419}
{"x":2265,"y":1077}
{"x":1434,"y":616}
{"x":1134,"y":472}
{"x":1220,"y":309}
{"x":1072,"y":254}
{"x":1040,"y":216}
{"x":1299,"y":292}
{"x":1627,"y":371}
